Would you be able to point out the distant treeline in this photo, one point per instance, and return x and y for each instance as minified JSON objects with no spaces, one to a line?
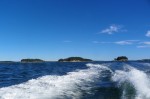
{"x":32,"y":60}
{"x":74,"y":59}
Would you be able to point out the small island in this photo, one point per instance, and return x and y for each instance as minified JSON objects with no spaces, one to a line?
{"x":75,"y":59}
{"x":31,"y":61}
{"x":144,"y":60}
{"x":121,"y":58}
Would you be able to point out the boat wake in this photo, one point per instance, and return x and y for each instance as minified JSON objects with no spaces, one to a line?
{"x":133,"y":84}
{"x":70,"y":86}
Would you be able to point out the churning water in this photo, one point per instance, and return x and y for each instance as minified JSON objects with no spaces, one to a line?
{"x":54,"y":80}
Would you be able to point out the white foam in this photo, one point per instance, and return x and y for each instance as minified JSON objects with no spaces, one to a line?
{"x":137,"y":78}
{"x":54,"y":87}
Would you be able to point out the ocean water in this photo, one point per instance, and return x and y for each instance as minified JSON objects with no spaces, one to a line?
{"x":81,"y":80}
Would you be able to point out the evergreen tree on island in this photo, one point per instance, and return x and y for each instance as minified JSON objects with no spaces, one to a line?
{"x":74,"y":59}
{"x":121,"y":58}
{"x":31,"y":60}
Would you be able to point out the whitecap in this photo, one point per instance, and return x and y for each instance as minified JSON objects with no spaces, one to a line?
{"x":55,"y":87}
{"x":138,"y":79}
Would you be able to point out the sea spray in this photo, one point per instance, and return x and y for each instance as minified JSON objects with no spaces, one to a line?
{"x":67,"y":86}
{"x":134,"y":78}
{"x":95,"y":81}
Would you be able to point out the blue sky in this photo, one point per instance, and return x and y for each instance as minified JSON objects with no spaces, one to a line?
{"x":53,"y":29}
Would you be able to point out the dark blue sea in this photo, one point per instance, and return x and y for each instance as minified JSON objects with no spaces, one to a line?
{"x":75,"y":80}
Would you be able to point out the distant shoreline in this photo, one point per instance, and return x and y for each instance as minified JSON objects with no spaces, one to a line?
{"x":75,"y":60}
{"x":71,"y":61}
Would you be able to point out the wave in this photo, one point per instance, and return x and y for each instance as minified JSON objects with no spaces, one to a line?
{"x":67,"y":86}
{"x":133,"y":80}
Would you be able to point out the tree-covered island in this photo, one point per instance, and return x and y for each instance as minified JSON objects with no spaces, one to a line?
{"x":121,"y":58}
{"x":31,"y":60}
{"x":75,"y":59}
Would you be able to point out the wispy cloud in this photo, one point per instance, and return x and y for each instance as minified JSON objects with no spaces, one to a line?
{"x":136,"y":43}
{"x":112,"y":29}
{"x":67,"y":41}
{"x":97,"y":42}
{"x":144,"y":44}
{"x":148,"y":33}
{"x":126,"y":42}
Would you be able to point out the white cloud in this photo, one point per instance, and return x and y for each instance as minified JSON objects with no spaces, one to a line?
{"x":144,"y":44}
{"x":137,"y":43}
{"x":148,"y":33}
{"x":126,"y":42}
{"x":97,"y":42}
{"x":112,"y":29}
